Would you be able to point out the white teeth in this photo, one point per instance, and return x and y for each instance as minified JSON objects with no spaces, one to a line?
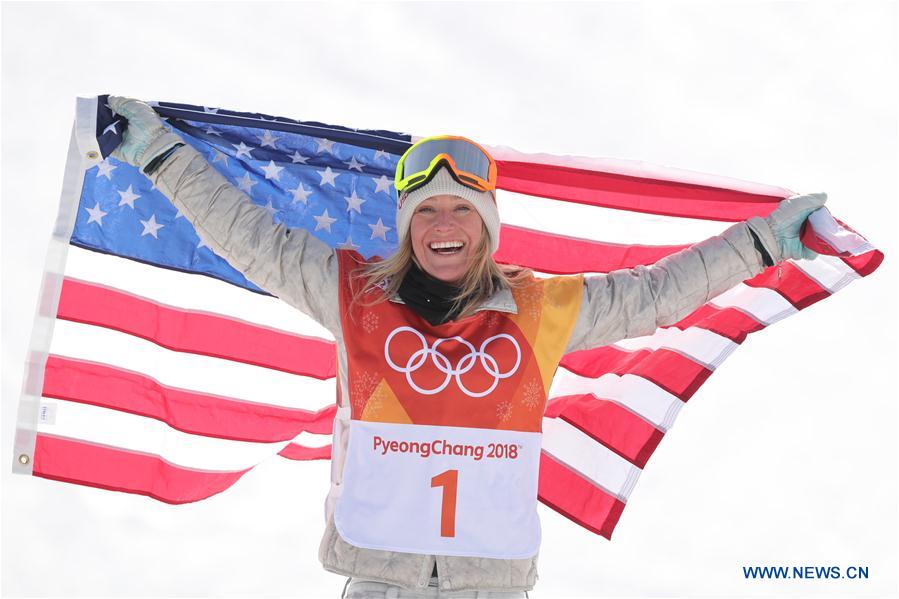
{"x":442,"y":245}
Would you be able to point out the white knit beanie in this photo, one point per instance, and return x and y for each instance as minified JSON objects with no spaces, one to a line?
{"x":443,"y":183}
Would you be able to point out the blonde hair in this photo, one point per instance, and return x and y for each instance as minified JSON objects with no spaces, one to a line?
{"x":483,"y":278}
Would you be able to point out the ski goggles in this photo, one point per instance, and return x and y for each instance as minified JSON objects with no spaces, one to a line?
{"x":469,"y":163}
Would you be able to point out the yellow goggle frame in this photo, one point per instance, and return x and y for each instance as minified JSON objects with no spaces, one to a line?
{"x":470,"y":164}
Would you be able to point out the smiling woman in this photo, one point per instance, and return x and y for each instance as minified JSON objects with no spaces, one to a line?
{"x":448,"y":229}
{"x":444,"y":266}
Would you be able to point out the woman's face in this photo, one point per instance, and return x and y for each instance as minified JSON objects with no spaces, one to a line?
{"x":445,"y":231}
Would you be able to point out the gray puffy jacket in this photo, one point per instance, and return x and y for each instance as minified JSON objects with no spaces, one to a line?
{"x":302,"y":271}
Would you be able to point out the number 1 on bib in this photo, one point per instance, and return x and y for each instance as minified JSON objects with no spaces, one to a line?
{"x":449,"y":481}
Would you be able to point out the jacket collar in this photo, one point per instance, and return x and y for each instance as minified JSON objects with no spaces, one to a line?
{"x":501,"y":301}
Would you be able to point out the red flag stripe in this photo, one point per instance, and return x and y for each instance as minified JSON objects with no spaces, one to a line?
{"x":792,"y":283}
{"x":295,"y":451}
{"x":188,"y":411}
{"x":576,"y":498}
{"x":94,"y":465}
{"x":864,"y":264}
{"x":636,"y":194}
{"x":728,"y":322}
{"x":196,"y":332}
{"x":557,"y":254}
{"x":620,"y":430}
{"x":674,"y":372}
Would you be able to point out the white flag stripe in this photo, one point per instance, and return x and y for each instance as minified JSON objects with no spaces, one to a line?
{"x":828,"y":271}
{"x":637,"y":394}
{"x":193,"y":372}
{"x":763,"y":304}
{"x":698,"y":344}
{"x":148,"y":435}
{"x":593,"y":460}
{"x":189,"y":291}
{"x":571,"y":219}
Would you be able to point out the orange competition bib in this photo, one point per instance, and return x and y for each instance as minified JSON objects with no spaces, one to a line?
{"x":444,"y":445}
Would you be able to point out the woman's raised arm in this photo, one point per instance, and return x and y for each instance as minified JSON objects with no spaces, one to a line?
{"x":288,"y":263}
{"x":634,"y":302}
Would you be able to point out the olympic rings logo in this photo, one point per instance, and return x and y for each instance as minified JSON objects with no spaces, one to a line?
{"x":419,"y":356}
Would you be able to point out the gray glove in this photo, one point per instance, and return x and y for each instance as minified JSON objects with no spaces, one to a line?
{"x":786,"y":222}
{"x":146,"y":136}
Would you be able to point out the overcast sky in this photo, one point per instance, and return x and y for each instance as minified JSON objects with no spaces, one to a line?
{"x":787,"y":456}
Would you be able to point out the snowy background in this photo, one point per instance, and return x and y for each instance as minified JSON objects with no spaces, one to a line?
{"x":787,"y":456}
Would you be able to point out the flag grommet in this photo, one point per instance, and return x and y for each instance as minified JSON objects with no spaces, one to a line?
{"x":93,"y":154}
{"x":24,"y":459}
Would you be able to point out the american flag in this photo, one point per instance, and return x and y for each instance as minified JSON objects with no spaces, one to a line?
{"x":156,"y":368}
